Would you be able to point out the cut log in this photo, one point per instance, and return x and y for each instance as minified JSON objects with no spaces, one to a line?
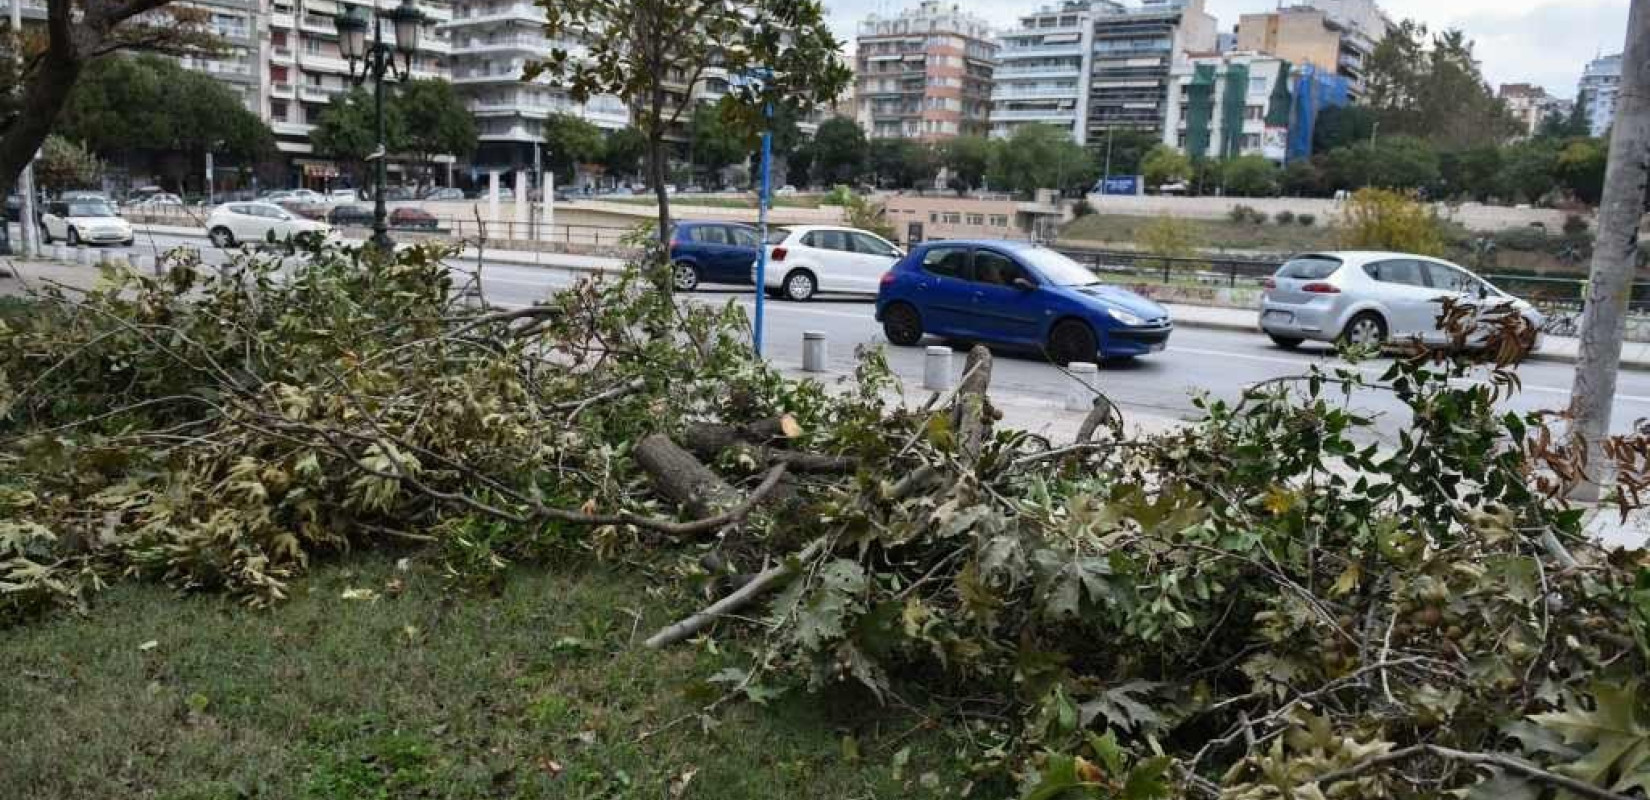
{"x":969,"y":419}
{"x":683,"y":479}
{"x":709,"y":440}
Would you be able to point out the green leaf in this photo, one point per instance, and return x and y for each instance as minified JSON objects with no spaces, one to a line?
{"x":1615,"y":738}
{"x":1146,"y":781}
{"x":1124,"y":707}
{"x":1501,"y":786}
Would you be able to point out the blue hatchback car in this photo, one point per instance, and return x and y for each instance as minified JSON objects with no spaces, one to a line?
{"x":712,"y":252}
{"x":1016,"y":294}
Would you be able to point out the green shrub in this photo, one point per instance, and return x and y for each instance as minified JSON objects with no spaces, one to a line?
{"x":1284,"y":217}
{"x":1242,"y":214}
{"x":1383,"y":219}
{"x":1306,"y":220}
{"x":1575,"y":225}
{"x":838,"y":196}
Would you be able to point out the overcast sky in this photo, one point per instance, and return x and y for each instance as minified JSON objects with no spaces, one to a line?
{"x":1545,"y":42}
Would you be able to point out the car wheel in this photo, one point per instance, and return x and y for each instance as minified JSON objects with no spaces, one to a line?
{"x":1285,"y":342}
{"x":799,"y":286}
{"x":1072,"y":341}
{"x":902,"y":324}
{"x":685,"y":276}
{"x":1367,"y":328}
{"x":222,"y":238}
{"x":74,"y":238}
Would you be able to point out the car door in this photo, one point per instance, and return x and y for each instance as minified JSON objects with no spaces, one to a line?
{"x":1406,"y":299}
{"x":831,"y":255}
{"x":945,"y":297}
{"x":243,"y":223}
{"x":873,"y":256}
{"x":54,"y":220}
{"x":743,"y":242}
{"x":1450,"y":281}
{"x":1002,"y":311}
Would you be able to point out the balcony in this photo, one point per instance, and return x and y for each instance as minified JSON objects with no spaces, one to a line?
{"x":325,"y":63}
{"x":495,"y":76}
{"x":321,"y":26}
{"x":537,"y":45}
{"x":470,"y":15}
{"x":282,"y":20}
{"x":1004,"y":93}
{"x":281,"y":54}
{"x":314,"y":94}
{"x":1051,"y":71}
{"x":513,"y":133}
{"x":1041,"y":50}
{"x":284,"y":128}
{"x":1035,"y":113}
{"x":280,"y":90}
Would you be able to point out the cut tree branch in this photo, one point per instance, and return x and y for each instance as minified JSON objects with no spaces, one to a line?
{"x":765,"y":580}
{"x":1505,"y":763}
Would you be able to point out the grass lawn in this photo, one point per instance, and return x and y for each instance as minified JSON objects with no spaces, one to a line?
{"x":534,"y":693}
{"x":1211,"y":234}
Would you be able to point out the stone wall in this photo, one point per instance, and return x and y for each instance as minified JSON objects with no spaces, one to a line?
{"x":1473,"y":216}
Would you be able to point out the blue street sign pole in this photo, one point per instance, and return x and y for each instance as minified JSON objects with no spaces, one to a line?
{"x":763,"y":200}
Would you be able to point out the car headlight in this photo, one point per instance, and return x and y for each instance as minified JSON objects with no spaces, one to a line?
{"x":1125,"y":317}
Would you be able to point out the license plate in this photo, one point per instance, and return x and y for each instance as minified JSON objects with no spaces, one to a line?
{"x":1277,"y":316}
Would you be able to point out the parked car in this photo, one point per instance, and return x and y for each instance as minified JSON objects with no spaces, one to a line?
{"x":712,"y":252}
{"x":413,"y":218}
{"x":785,"y":191}
{"x":1371,"y":298}
{"x":304,"y":208}
{"x":233,"y":223}
{"x":157,"y":199}
{"x":343,"y":196}
{"x":806,"y":260}
{"x":77,"y":222}
{"x":341,"y":216}
{"x":445,"y":193}
{"x":1016,"y":294}
{"x":565,"y":195}
{"x":399,"y":194}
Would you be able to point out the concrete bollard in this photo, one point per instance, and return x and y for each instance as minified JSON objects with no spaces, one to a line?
{"x":83,"y":256}
{"x":60,"y":253}
{"x":936,"y":369}
{"x":813,"y":351}
{"x":1079,"y":397}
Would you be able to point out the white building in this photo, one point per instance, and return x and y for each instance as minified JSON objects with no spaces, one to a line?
{"x":1230,"y":105}
{"x":1042,"y":71}
{"x":1600,"y":83}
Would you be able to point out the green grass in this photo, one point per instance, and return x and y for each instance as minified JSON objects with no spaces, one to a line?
{"x":535,"y":693}
{"x":1210,"y":234}
{"x":716,"y":202}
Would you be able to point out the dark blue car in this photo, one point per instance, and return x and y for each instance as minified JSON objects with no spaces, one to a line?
{"x":1016,"y":294}
{"x":712,"y":252}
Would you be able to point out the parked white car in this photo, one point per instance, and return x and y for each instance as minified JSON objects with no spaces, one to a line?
{"x":342,"y":196}
{"x":805,"y":260}
{"x":84,"y":221}
{"x":233,"y":223}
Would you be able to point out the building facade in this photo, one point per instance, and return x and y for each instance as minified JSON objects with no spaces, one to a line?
{"x":1133,"y":51}
{"x":1335,"y":36}
{"x":924,"y":74}
{"x":1042,"y":71}
{"x":1600,"y":83}
{"x":1236,"y":104}
{"x":1531,"y":104}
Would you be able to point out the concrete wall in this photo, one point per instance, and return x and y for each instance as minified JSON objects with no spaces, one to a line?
{"x":1473,"y":216}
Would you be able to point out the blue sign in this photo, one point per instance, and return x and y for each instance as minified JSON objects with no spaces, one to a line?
{"x":1125,"y":185}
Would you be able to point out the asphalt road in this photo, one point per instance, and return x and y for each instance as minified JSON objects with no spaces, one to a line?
{"x":1219,"y":363}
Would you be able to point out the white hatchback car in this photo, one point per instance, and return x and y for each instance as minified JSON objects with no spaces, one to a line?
{"x":805,"y":260}
{"x":84,"y":221}
{"x":233,"y":223}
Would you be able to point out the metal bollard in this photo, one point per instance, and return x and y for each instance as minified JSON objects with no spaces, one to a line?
{"x":1079,"y":397}
{"x":813,"y":351}
{"x":936,"y":369}
{"x":83,"y":256}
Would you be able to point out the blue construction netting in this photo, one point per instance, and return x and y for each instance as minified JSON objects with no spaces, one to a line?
{"x":1314,"y":92}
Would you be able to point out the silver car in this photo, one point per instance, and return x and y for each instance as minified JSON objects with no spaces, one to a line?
{"x":1369,"y":298}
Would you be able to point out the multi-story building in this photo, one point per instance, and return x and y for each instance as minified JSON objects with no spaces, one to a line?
{"x":1235,"y":104}
{"x":924,"y":74}
{"x":1531,"y":104}
{"x":1042,"y":70}
{"x":240,"y":26}
{"x":1132,"y":52}
{"x":1335,"y":36}
{"x":1600,"y":84}
{"x":305,"y":70}
{"x":492,"y":42}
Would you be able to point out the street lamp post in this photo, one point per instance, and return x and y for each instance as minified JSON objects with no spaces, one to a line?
{"x":378,"y":61}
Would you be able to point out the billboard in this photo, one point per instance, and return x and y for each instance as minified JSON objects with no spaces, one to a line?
{"x":1274,"y":143}
{"x":1119,"y":185}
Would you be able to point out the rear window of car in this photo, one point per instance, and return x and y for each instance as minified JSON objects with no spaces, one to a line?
{"x":1310,"y":268}
{"x":778,"y":235}
{"x":950,"y":262}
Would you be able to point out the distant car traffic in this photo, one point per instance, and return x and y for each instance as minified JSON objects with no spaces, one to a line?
{"x":413,"y":218}
{"x":157,"y":199}
{"x":341,"y":216}
{"x":1016,"y":294}
{"x":299,"y":195}
{"x":304,"y":208}
{"x":445,"y":194}
{"x":1370,"y":298}
{"x":712,"y":252}
{"x":805,"y":260}
{"x":343,"y":196}
{"x":233,"y":223}
{"x":785,"y":191}
{"x":84,"y":221}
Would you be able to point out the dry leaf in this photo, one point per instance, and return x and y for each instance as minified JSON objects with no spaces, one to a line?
{"x":679,"y":784}
{"x":359,"y":594}
{"x":149,"y":645}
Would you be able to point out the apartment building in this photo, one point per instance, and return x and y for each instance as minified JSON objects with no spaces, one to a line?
{"x":1597,"y":94}
{"x":492,"y":41}
{"x":1042,"y":69}
{"x":1235,"y":104}
{"x":1531,"y":104}
{"x":1132,"y":54}
{"x":1335,"y":36}
{"x":925,"y":73}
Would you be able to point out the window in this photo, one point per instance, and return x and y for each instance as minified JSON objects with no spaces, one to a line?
{"x":827,"y":240}
{"x":934,"y":217}
{"x":1253,"y":113}
{"x":1450,"y":279}
{"x":976,"y":219}
{"x":710,"y":234}
{"x":743,"y":237}
{"x":312,"y":45}
{"x":952,"y":218}
{"x":277,"y":109}
{"x":946,"y":262}
{"x":870,"y":245}
{"x":1310,"y":268}
{"x":999,"y":220}
{"x":1257,"y":85}
{"x":996,"y":269}
{"x":1404,"y":272}
{"x":778,"y":235}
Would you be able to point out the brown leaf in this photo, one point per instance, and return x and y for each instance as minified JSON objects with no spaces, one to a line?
{"x":790,"y":427}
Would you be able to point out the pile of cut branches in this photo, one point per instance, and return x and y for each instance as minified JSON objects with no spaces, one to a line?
{"x":1263,"y":604}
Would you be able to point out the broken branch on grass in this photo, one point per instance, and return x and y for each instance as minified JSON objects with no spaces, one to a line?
{"x":1504,"y":763}
{"x":764,"y":581}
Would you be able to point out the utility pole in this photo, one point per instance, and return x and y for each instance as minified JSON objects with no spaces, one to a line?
{"x":1615,"y":251}
{"x":25,"y":179}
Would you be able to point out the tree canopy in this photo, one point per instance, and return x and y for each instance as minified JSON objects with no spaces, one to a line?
{"x":966,"y":158}
{"x":435,"y":120}
{"x":1164,"y":164}
{"x":623,"y":151}
{"x":148,"y":103}
{"x":1430,"y":86}
{"x":1042,"y":157}
{"x":840,"y":151}
{"x":348,"y":130}
{"x":569,"y":141}
{"x":715,"y":141}
{"x":903,"y":163}
{"x":65,"y":164}
{"x":1249,"y":176}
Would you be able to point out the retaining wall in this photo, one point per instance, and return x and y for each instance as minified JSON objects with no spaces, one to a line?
{"x":1473,"y":216}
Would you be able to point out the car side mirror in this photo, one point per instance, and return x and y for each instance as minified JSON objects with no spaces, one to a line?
{"x":1023,"y":285}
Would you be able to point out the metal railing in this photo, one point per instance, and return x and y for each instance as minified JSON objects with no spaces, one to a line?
{"x":1201,"y":270}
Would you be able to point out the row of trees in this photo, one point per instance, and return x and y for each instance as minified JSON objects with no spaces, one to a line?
{"x":1034,"y":157}
{"x":422,"y":119}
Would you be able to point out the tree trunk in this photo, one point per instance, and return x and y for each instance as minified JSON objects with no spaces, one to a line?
{"x":677,"y":475}
{"x":1615,"y":255}
{"x":656,"y":175}
{"x":43,"y":97}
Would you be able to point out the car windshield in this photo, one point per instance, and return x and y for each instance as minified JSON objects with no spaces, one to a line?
{"x":1057,"y":269}
{"x":1310,"y":268}
{"x":91,"y":209}
{"x":778,"y":235}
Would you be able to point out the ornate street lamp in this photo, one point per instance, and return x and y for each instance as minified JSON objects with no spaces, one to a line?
{"x":377,"y":61}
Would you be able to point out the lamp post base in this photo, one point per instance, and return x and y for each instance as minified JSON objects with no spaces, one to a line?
{"x":381,"y":240}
